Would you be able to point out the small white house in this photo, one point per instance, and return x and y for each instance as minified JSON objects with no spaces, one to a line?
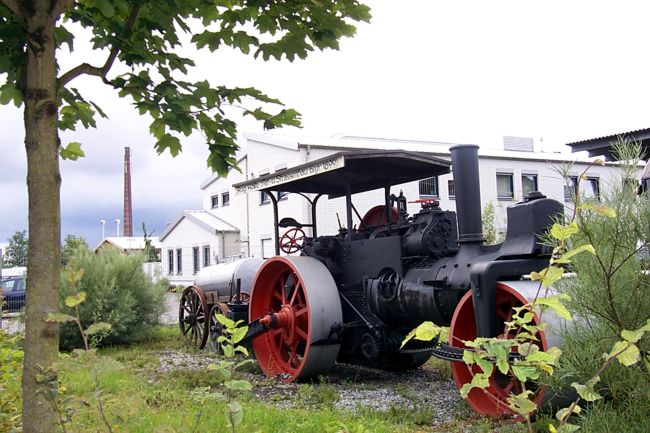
{"x":128,"y":244}
{"x":195,"y":239}
{"x":242,"y":224}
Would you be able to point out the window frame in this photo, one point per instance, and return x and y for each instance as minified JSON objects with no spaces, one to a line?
{"x":206,"y":255}
{"x":214,"y":201}
{"x":225,"y":199}
{"x":451,"y":188}
{"x":428,"y":182}
{"x":264,"y":200}
{"x":179,"y":261}
{"x":170,"y":259}
{"x":510,"y":177}
{"x":535,"y":182}
{"x":196,"y":260}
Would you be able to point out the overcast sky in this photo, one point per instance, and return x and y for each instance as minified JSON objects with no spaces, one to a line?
{"x":461,"y":71}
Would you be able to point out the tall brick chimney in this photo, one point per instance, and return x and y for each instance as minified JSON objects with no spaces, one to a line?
{"x":128,"y":209}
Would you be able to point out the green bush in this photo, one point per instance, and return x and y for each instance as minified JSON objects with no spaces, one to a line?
{"x":118,"y":292}
{"x":11,"y":367}
{"x":609,"y":293}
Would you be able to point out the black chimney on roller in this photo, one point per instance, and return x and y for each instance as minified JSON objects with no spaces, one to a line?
{"x":464,"y":165}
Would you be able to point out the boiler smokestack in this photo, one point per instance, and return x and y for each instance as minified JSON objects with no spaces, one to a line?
{"x":128,"y":209}
{"x":464,"y":164}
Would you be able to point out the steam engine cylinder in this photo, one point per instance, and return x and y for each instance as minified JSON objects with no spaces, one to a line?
{"x":221,"y":280}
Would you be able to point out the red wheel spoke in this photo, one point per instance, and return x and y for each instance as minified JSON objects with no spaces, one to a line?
{"x":296,"y":289}
{"x":302,"y":334}
{"x":301,"y":311}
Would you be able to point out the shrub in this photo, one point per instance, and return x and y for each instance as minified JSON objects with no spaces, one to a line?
{"x":117,"y":292}
{"x":11,"y":366}
{"x":610,"y":293}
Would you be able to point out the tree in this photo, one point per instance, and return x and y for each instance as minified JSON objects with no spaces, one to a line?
{"x":144,"y":37}
{"x":71,"y":245}
{"x":16,"y":253}
{"x":150,"y":254}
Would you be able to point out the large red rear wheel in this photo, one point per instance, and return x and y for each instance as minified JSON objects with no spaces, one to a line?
{"x":297,"y":298}
{"x":491,"y":401}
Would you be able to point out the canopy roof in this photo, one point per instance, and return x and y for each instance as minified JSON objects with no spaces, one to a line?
{"x":603,"y":145}
{"x":357,"y":170}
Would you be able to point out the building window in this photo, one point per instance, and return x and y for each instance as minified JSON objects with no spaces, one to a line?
{"x":505,"y":190}
{"x":268,"y":248}
{"x":215,"y":201}
{"x":225,"y":199}
{"x":429,"y":187}
{"x":196,"y":264}
{"x":179,"y":261}
{"x":570,"y":188}
{"x":589,"y":188}
{"x":528,"y":183}
{"x":170,"y":265}
{"x":451,"y":189}
{"x":264,"y":197}
{"x":206,"y":255}
{"x":282,"y":195}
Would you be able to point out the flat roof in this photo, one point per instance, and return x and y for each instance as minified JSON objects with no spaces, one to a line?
{"x":358,"y":171}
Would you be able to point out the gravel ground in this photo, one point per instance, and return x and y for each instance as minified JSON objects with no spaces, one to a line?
{"x":347,"y":387}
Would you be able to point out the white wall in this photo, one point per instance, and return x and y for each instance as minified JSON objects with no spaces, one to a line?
{"x":255,"y":220}
{"x":186,"y":236}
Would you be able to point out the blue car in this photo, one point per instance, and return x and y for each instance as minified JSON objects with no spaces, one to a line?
{"x":12,"y":293}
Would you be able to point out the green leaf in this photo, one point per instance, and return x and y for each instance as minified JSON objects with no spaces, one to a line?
{"x":8,"y":93}
{"x":626,"y":353}
{"x":561,"y":232}
{"x":74,"y":300}
{"x":599,"y":209}
{"x":562,"y":413}
{"x":525,"y":372}
{"x":582,"y":248}
{"x":234,"y":414}
{"x":478,"y":381}
{"x":228,"y":323}
{"x":106,"y":8}
{"x":632,"y":336}
{"x":548,"y":276}
{"x":239,"y":334}
{"x":60,"y":318}
{"x":72,"y":151}
{"x":586,"y":391}
{"x":242,"y":350}
{"x":238,"y":385}
{"x":228,"y":351}
{"x":555,"y":304}
{"x":521,"y":403}
{"x":98,"y":327}
{"x":564,"y":428}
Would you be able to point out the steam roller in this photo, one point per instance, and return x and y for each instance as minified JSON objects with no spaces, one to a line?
{"x":351,"y":297}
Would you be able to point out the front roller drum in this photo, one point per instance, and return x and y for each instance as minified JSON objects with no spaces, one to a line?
{"x":493,"y":400}
{"x":193,"y":316}
{"x":296,"y":298}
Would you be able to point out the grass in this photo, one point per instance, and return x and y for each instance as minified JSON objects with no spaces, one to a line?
{"x":137,"y":398}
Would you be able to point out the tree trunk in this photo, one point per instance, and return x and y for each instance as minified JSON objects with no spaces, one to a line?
{"x":44,"y":251}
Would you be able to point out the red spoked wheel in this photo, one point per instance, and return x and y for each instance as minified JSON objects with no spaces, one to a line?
{"x":292,"y":240}
{"x":376,"y":217}
{"x":493,"y":400}
{"x":193,"y":316}
{"x":296,"y":297}
{"x":243,"y":297}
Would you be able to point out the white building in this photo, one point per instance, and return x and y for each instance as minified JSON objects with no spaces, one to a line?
{"x":242,"y":225}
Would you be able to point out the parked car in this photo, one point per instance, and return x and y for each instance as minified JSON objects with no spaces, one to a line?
{"x":12,"y":293}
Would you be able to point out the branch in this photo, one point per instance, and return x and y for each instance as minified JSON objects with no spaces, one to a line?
{"x":82,"y":69}
{"x":85,"y":68}
{"x":59,"y":7}
{"x":13,"y":6}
